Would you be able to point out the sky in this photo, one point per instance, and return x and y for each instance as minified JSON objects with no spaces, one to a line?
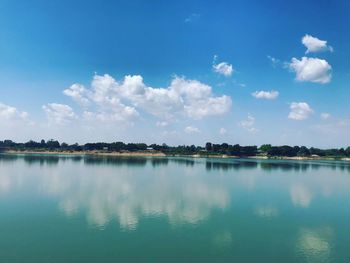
{"x":176,"y":72}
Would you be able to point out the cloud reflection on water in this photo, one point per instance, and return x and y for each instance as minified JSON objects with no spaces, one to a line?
{"x":106,"y":193}
{"x":301,"y":195}
{"x":184,"y":190}
{"x":314,"y":245}
{"x":267,"y":211}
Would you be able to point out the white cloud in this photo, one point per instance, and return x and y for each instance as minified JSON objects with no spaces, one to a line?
{"x":119,"y":114}
{"x":210,"y":106}
{"x":78,"y":93}
{"x":311,"y":69}
{"x":105,"y":103}
{"x":223,"y":68}
{"x":11,"y":113}
{"x":222,"y":131}
{"x":59,"y":114}
{"x":122,"y":100}
{"x":313,"y":44}
{"x":269,"y":95}
{"x":191,"y":129}
{"x":299,"y":111}
{"x":325,"y":115}
{"x":249,"y":124}
{"x":15,"y":124}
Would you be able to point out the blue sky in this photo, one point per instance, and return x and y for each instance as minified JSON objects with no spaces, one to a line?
{"x":247,"y":72}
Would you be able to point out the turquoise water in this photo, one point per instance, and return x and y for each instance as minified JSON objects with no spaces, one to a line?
{"x":76,"y":209}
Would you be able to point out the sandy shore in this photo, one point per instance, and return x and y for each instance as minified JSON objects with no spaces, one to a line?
{"x":160,"y":154}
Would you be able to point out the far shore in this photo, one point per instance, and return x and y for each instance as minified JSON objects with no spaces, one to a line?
{"x":161,"y":154}
{"x":97,"y":153}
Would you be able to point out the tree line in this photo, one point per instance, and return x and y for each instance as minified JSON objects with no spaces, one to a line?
{"x":208,"y":149}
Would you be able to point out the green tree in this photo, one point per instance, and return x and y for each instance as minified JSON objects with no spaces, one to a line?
{"x":347,"y":151}
{"x":265,"y":148}
{"x":208,"y":146}
{"x":304,"y":151}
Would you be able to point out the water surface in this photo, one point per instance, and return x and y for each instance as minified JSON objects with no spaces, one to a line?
{"x":96,"y":209}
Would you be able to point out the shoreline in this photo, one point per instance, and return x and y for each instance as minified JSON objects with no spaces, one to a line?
{"x":160,"y":154}
{"x":299,"y":158}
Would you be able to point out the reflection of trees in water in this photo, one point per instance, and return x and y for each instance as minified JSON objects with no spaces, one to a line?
{"x":210,"y":164}
{"x":159,"y":161}
{"x":229,"y":164}
{"x":302,"y":166}
{"x":33,"y":159}
{"x":8,"y":157}
{"x":141,"y":161}
{"x":114,"y":160}
{"x":43,"y":160}
{"x":183,"y":161}
{"x":284,"y":166}
{"x":77,"y":158}
{"x":272,"y":165}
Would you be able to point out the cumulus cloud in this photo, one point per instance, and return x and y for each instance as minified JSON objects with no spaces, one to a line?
{"x":269,"y":95}
{"x":11,"y":113}
{"x":123,"y":100}
{"x":299,"y":111}
{"x":191,"y":129}
{"x":14,"y":123}
{"x":223,"y":68}
{"x":313,"y":44}
{"x":249,"y":124}
{"x":78,"y":93}
{"x":311,"y":69}
{"x":199,"y":109}
{"x":119,"y":114}
{"x":59,"y":114}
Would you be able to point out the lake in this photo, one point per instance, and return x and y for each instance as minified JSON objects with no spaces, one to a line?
{"x":99,"y":209}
